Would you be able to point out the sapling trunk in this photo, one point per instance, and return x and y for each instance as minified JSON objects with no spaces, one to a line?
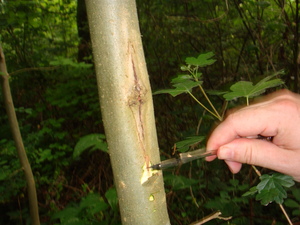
{"x":14,"y":126}
{"x":127,"y":110}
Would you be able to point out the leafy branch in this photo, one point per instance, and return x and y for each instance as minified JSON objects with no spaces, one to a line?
{"x":184,"y":83}
{"x":247,"y":90}
{"x":271,"y":187}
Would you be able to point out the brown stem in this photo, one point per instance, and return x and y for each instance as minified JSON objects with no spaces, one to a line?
{"x":14,"y":126}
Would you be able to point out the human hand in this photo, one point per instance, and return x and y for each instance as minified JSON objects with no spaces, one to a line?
{"x":277,"y":115}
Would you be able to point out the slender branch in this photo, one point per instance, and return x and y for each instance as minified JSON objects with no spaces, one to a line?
{"x":256,"y":171}
{"x":215,"y":215}
{"x":203,"y":105}
{"x":194,"y":73}
{"x":285,"y":214}
{"x":14,"y":126}
{"x":34,"y":69}
{"x":207,"y":98}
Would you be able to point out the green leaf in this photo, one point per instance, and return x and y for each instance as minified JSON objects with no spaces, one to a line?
{"x":202,"y":60}
{"x":62,"y":61}
{"x":92,"y":142}
{"x":263,"y":4}
{"x":183,"y":146}
{"x":274,"y":180}
{"x":181,"y":78}
{"x":3,"y":175}
{"x":184,"y":68}
{"x":184,"y":87}
{"x":296,"y":193}
{"x":248,"y":90}
{"x":184,"y":83}
{"x":291,"y":203}
{"x":234,"y":182}
{"x":45,"y":155}
{"x":271,"y":188}
{"x":179,"y":182}
{"x":216,"y":92}
{"x":112,"y":198}
{"x":66,"y":214}
{"x":239,"y":89}
{"x":173,"y":92}
{"x":90,"y":200}
{"x":268,"y":196}
{"x":252,"y":191}
{"x":187,"y":85}
{"x":94,"y":203}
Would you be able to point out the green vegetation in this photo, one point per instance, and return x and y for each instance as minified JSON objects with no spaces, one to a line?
{"x":226,"y":50}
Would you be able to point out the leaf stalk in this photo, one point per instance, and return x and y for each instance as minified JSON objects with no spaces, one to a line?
{"x":211,"y":112}
{"x":194,"y":73}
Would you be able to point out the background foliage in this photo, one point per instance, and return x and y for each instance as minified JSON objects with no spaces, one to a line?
{"x":48,"y":55}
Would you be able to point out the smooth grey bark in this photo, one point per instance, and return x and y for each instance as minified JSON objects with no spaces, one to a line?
{"x":127,"y":110}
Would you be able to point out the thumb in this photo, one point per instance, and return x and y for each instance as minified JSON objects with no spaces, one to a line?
{"x":260,"y":153}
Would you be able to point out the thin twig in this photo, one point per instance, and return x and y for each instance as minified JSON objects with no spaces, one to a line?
{"x":212,"y":106}
{"x":256,"y":171}
{"x":285,"y":214}
{"x":215,"y":215}
{"x":203,"y":105}
{"x":33,"y":69}
{"x":199,"y":123}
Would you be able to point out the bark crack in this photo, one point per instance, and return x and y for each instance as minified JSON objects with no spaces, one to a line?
{"x":137,"y":98}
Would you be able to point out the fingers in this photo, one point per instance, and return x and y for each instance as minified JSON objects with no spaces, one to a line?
{"x":243,"y":123}
{"x":260,"y":153}
{"x":276,"y":117}
{"x":234,"y":167}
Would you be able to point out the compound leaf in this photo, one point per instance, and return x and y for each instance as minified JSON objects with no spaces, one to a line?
{"x":181,"y":78}
{"x":271,"y":188}
{"x":202,"y":60}
{"x":183,"y":87}
{"x":252,"y":191}
{"x":268,"y":196}
{"x":239,"y":89}
{"x":248,"y":90}
{"x":173,"y":92}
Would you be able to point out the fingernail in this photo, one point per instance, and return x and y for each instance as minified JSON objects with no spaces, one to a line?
{"x":225,"y":153}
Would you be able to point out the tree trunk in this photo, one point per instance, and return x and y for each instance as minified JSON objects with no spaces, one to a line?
{"x":127,"y":110}
{"x":14,"y":126}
